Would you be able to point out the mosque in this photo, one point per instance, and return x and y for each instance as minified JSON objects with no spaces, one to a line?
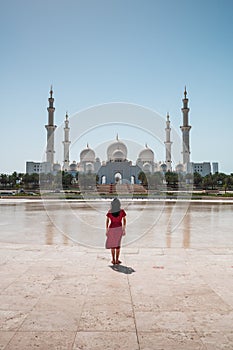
{"x":117,"y":168}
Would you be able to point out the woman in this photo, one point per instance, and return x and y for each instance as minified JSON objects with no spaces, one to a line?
{"x":115,"y":229}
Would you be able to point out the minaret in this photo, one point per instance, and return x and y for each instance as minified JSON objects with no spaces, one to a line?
{"x":66,"y":143}
{"x":185,"y":130}
{"x":168,"y":145}
{"x":50,"y":131}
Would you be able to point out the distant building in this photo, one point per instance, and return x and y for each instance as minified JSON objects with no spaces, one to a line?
{"x":116,"y":167}
{"x":38,"y":167}
{"x":203,"y":168}
{"x":214,"y":167}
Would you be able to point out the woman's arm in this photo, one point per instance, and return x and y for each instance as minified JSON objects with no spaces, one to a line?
{"x":124,"y":225}
{"x":107,"y":224}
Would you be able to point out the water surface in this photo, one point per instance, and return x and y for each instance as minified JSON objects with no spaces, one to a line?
{"x":149,"y":224}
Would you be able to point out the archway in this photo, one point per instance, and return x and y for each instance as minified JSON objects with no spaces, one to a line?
{"x":132,"y":179}
{"x":103,"y":180}
{"x":118,"y":178}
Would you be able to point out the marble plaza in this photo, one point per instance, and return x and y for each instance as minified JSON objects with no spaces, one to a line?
{"x":175,"y":294}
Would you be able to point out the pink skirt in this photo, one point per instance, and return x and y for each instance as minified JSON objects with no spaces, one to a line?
{"x":114,"y":238}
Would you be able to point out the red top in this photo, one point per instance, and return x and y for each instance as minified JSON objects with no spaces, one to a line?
{"x":116,"y":220}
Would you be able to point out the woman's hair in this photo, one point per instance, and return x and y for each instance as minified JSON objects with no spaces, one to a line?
{"x":115,"y":207}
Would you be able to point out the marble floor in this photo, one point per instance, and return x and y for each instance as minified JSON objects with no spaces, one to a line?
{"x":73,"y":298}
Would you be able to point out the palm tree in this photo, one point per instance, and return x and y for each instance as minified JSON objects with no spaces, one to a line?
{"x":172,"y":179}
{"x":4,"y":180}
{"x":197,"y":180}
{"x":142,"y":177}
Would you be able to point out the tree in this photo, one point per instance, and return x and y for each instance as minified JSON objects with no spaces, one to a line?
{"x":30,"y":180}
{"x":219,"y":179}
{"x":227,"y":183}
{"x":66,"y":179}
{"x":13,"y":179}
{"x":4,"y":179}
{"x":197,"y":180}
{"x":209,"y":181}
{"x":171,"y":179}
{"x":142,"y":177}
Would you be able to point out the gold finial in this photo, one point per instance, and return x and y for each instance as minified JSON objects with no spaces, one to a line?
{"x":51,"y":91}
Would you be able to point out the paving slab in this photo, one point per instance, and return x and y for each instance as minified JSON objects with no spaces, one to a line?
{"x":106,"y":340}
{"x":170,"y":341}
{"x":72,"y":297}
{"x":42,"y":341}
{"x":5,"y":338}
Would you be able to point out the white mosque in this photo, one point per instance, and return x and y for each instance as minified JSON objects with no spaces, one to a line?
{"x":117,"y":167}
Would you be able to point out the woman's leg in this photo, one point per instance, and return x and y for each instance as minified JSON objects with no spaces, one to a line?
{"x":117,"y":255}
{"x":113,"y":255}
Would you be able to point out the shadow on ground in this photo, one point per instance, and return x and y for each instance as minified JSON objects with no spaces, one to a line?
{"x":123,"y":269}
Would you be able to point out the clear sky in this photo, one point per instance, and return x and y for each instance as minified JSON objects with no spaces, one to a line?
{"x":101,"y":51}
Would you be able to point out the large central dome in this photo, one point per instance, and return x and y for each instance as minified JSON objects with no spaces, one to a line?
{"x":117,"y":151}
{"x":146,"y":155}
{"x":87,"y":155}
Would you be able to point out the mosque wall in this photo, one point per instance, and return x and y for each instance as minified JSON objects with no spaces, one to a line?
{"x":124,"y":170}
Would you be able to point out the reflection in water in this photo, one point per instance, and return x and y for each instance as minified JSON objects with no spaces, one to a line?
{"x":49,"y":233}
{"x":185,"y":225}
{"x":204,"y":224}
{"x":66,"y":224}
{"x":186,"y":230}
{"x":169,"y":226}
{"x":177,"y":221}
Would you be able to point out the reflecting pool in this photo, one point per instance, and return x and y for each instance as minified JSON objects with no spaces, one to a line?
{"x":149,"y":224}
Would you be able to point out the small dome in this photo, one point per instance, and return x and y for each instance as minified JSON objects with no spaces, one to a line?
{"x":87,"y":155}
{"x":56,"y":167}
{"x":116,"y":146}
{"x":146,"y":155}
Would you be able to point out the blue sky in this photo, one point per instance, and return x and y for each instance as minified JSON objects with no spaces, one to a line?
{"x":95,"y":52}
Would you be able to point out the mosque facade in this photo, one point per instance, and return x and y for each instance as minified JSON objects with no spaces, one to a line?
{"x":117,"y":167}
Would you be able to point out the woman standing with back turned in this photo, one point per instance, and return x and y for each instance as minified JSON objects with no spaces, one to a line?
{"x":115,"y":229}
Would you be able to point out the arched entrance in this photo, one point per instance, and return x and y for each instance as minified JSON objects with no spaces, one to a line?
{"x":132,"y":179}
{"x":103,"y":180}
{"x":118,"y":178}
